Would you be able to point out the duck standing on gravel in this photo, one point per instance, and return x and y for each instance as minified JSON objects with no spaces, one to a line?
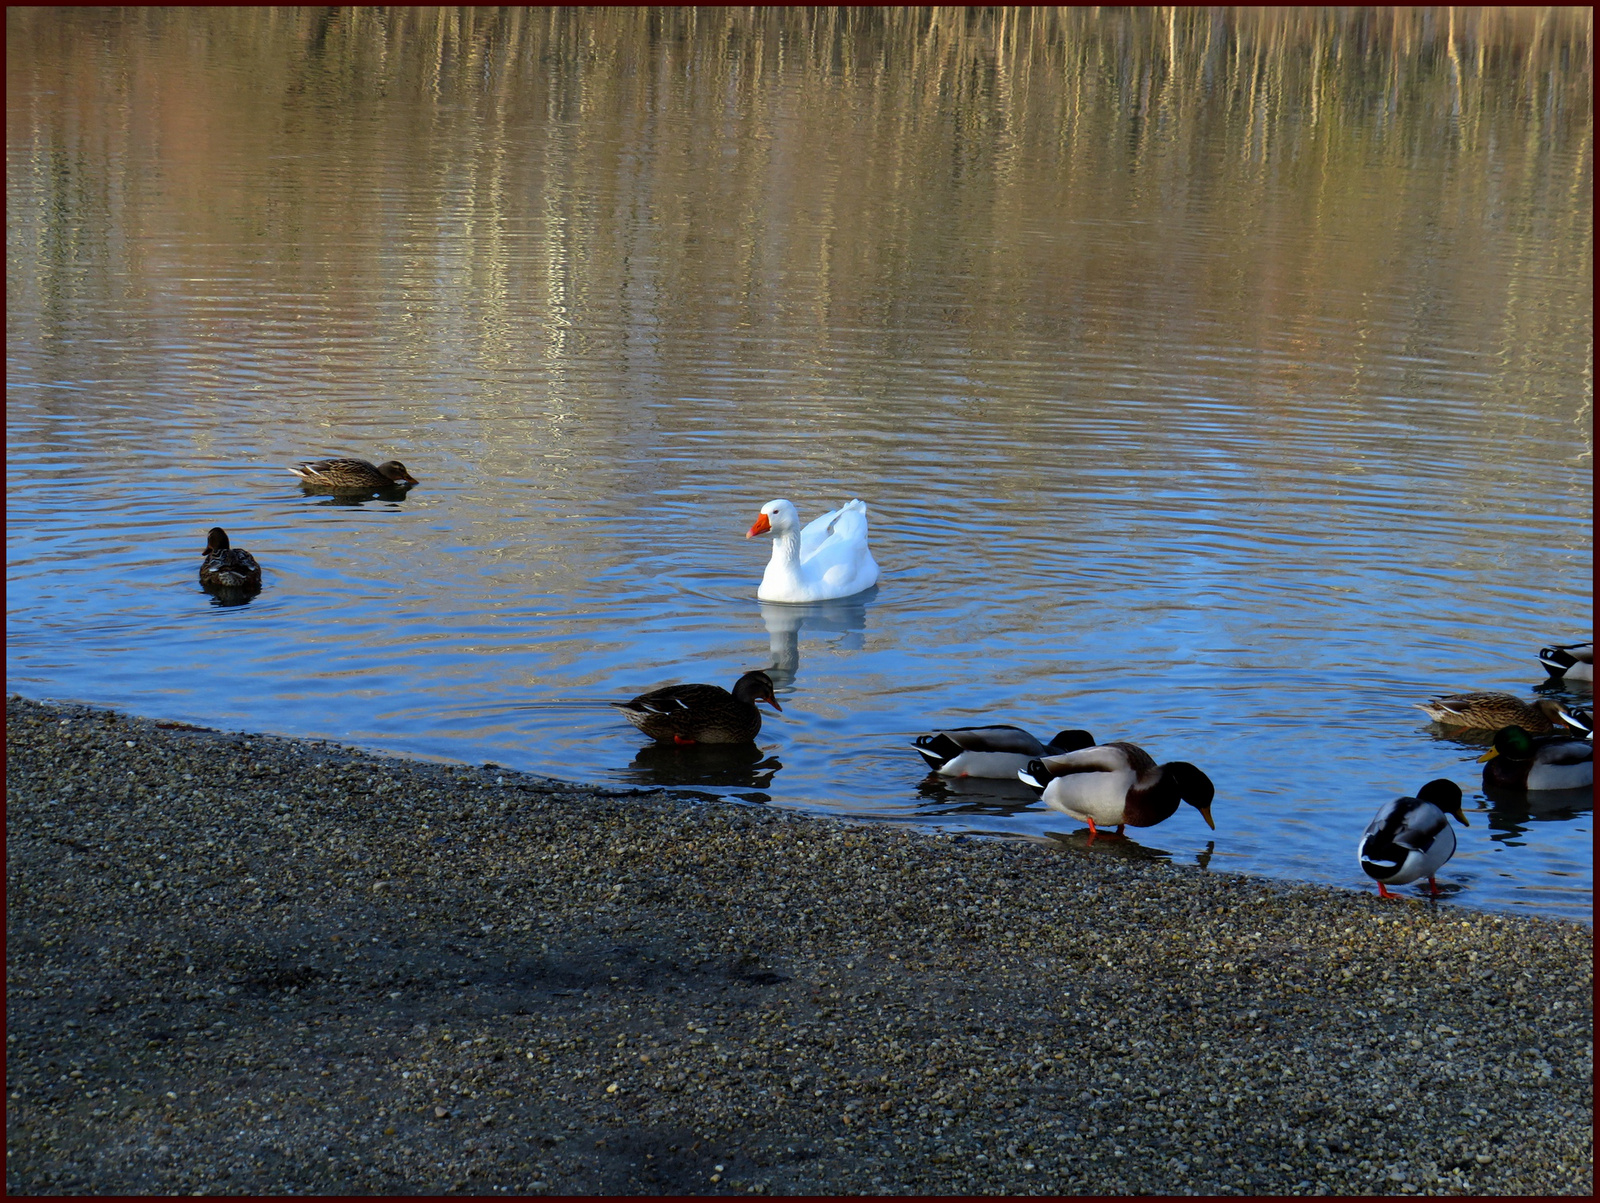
{"x":1411,"y":837}
{"x":1118,"y":783}
{"x":352,"y":475}
{"x":1519,"y":761}
{"x":702,"y":714}
{"x":227,"y":568}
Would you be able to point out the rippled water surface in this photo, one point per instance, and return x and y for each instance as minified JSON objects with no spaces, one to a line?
{"x":1219,"y":396}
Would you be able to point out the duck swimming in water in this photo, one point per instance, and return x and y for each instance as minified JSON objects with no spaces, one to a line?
{"x":1487,"y":711}
{"x":226,"y":567}
{"x":352,"y":475}
{"x":995,"y":751}
{"x":829,"y":558}
{"x":1569,"y":661}
{"x":1519,"y":761}
{"x":702,"y":714}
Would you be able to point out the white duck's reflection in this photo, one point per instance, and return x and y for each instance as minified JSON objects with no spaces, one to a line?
{"x":741,"y":766}
{"x":785,"y":620}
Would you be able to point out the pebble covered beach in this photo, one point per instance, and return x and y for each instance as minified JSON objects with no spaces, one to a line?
{"x":246,"y":964}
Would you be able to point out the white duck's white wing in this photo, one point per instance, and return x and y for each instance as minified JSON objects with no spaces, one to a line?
{"x":851,"y":575}
{"x":814,"y":533}
{"x":838,"y":558}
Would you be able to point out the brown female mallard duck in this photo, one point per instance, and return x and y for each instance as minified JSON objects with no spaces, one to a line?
{"x":227,"y":567}
{"x":702,"y":714}
{"x":352,"y":475}
{"x":1485,"y":711}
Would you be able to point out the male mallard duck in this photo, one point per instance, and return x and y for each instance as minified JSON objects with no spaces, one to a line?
{"x":999,"y":751}
{"x":1491,"y":711}
{"x":352,"y":475}
{"x":1518,"y":761}
{"x":1570,"y":661}
{"x":1119,"y":783}
{"x":1581,"y":721}
{"x":1411,"y":837}
{"x":227,"y":567}
{"x":828,"y":559}
{"x":702,"y":714}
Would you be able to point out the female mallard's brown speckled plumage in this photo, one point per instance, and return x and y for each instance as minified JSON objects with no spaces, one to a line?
{"x":1486,"y":711}
{"x":702,"y":714}
{"x":351,"y":475}
{"x":227,"y":567}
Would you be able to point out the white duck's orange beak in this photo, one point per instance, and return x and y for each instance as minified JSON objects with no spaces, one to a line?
{"x":759,"y":527}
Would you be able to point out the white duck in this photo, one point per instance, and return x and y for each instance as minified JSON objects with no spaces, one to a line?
{"x":828,"y":559}
{"x":1411,"y":837}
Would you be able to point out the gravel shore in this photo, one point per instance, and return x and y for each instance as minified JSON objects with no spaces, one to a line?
{"x":243,"y":964}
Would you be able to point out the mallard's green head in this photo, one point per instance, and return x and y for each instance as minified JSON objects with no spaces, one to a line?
{"x":1511,"y":742}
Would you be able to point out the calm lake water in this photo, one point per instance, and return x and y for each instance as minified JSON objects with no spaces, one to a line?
{"x":1218,"y":382}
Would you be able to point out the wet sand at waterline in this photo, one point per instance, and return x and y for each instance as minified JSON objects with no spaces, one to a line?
{"x":244,"y":964}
